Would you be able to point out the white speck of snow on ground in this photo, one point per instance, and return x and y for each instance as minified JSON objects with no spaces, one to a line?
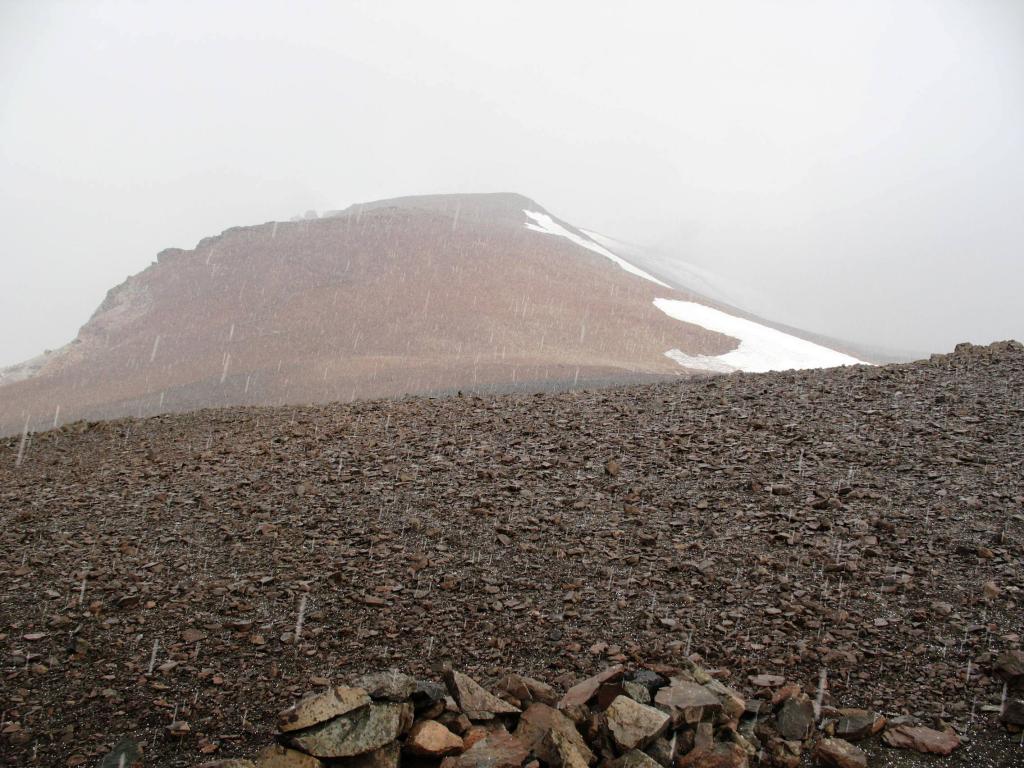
{"x":548,"y":226}
{"x":761,"y":348}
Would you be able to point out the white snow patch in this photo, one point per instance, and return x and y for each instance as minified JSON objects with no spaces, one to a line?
{"x":761,"y":348}
{"x":548,"y":226}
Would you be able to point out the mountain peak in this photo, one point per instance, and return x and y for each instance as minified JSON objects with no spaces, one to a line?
{"x":419,"y":294}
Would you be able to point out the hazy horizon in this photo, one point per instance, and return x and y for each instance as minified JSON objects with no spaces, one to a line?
{"x":854,"y":171}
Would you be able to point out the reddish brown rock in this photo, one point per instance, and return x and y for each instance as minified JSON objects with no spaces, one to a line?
{"x":538,"y":721}
{"x":496,"y":750}
{"x":583,"y":691}
{"x":527,"y":689}
{"x":721,"y":755}
{"x":633,"y":725}
{"x":563,"y":750}
{"x":634,"y":758}
{"x":922,"y":739}
{"x":838,"y":753}
{"x":477,"y":702}
{"x":687,"y":702}
{"x":431,"y":739}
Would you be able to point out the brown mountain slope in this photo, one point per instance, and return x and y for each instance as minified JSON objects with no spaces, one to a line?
{"x":386,"y":298}
{"x":404,"y":296}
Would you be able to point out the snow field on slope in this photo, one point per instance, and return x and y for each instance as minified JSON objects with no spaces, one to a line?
{"x":543,"y":223}
{"x":760,"y":348}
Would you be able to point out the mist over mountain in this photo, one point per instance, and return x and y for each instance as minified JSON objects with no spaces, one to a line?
{"x":852,"y":168}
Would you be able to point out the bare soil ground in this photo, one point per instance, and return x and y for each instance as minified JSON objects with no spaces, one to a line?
{"x":868,"y":521}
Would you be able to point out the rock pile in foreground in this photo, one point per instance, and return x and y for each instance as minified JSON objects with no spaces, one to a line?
{"x":662,"y":717}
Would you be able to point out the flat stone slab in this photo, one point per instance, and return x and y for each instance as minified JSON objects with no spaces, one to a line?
{"x":320,"y":707}
{"x":922,"y":739}
{"x":687,"y":702}
{"x":389,"y":686}
{"x":857,"y":724}
{"x":356,"y":733}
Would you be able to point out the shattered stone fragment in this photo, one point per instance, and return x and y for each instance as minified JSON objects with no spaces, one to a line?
{"x":540,"y":720}
{"x":633,"y":725}
{"x":585,"y":690}
{"x":477,"y":702}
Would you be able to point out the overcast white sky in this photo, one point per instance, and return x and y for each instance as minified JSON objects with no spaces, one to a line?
{"x":856,"y":169}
